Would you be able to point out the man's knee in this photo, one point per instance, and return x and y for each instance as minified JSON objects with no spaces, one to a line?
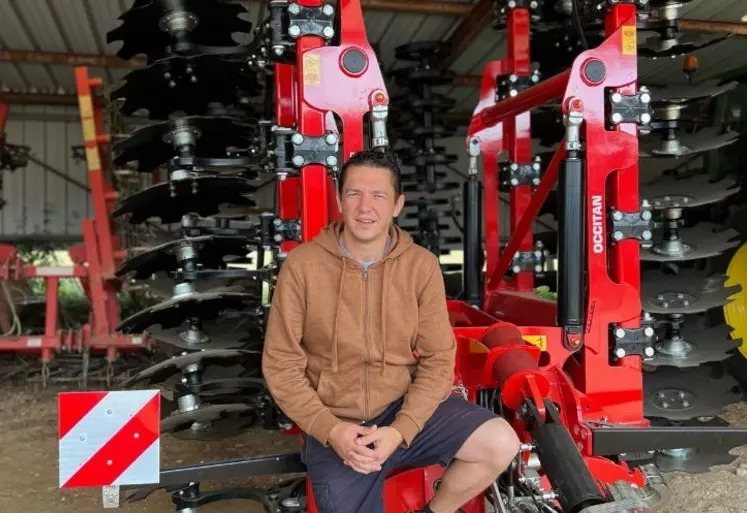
{"x":494,"y":443}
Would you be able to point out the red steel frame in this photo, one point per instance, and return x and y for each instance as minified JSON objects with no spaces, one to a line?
{"x":500,"y":346}
{"x":95,"y":260}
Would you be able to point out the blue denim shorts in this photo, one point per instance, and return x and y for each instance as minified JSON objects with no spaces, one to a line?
{"x":340,"y":489}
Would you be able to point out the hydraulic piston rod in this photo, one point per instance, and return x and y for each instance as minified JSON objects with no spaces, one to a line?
{"x":571,"y":242}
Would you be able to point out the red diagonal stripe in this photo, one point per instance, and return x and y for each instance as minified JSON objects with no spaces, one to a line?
{"x":73,"y":406}
{"x":122,"y":449}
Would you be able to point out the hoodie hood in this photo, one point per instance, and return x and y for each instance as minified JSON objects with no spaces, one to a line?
{"x":329,"y":239}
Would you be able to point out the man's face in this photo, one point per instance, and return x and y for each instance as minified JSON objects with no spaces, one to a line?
{"x":368,"y":202}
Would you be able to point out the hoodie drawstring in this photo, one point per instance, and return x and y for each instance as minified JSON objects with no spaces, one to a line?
{"x":337,"y":317}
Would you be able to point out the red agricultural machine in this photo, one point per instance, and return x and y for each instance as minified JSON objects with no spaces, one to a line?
{"x":570,"y":375}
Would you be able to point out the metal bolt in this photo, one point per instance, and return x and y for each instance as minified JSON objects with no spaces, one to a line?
{"x":616,"y":98}
{"x":617,"y":216}
{"x":620,"y":352}
{"x":533,"y":5}
{"x":646,"y":235}
{"x":298,"y":160}
{"x":109,"y":462}
{"x":328,"y":32}
{"x":328,"y":10}
{"x":82,"y":438}
{"x":297,"y":139}
{"x":645,"y":117}
{"x":331,"y":160}
{"x":516,"y":269}
{"x":620,"y":333}
{"x":535,"y":181}
{"x":649,"y":331}
{"x":514,"y":181}
{"x":618,"y":235}
{"x":109,"y":412}
{"x":538,"y":268}
{"x":536,"y":166}
{"x":330,"y":139}
{"x":645,"y":98}
{"x":646,"y":215}
{"x":616,"y":117}
{"x":136,"y":435}
{"x":649,"y":351}
{"x":514,"y":166}
{"x":294,"y":30}
{"x":294,"y":8}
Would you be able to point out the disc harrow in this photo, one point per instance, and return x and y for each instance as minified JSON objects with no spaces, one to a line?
{"x":686,"y":379}
{"x":200,"y":92}
{"x":429,"y":210}
{"x":679,"y":294}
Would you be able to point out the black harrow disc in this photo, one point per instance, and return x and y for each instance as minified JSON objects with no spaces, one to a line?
{"x":150,"y":27}
{"x":211,"y":251}
{"x":196,"y":85}
{"x":200,"y":137}
{"x":202,"y":195}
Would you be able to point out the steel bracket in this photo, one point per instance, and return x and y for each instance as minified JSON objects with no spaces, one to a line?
{"x":633,"y":341}
{"x":513,"y":174}
{"x":276,"y":230}
{"x":502,"y":8}
{"x":290,"y":21}
{"x":293,"y":150}
{"x":530,"y":261}
{"x":634,"y":108}
{"x":510,"y":84}
{"x":632,"y":225}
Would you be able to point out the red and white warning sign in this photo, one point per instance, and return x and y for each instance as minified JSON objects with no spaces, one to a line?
{"x":109,"y":438}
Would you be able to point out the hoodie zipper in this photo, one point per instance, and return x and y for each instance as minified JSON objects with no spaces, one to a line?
{"x":365,"y":347}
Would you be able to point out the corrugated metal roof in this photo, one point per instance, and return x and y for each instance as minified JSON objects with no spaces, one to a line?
{"x":80,"y":26}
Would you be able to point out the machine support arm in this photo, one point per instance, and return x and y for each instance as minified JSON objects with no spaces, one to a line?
{"x":544,"y":92}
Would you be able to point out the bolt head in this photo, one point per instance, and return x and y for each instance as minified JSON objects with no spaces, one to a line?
{"x":297,"y":139}
{"x":649,"y":351}
{"x":645,"y":117}
{"x":331,"y":160}
{"x":328,"y":32}
{"x":620,"y":333}
{"x":620,"y":352}
{"x":616,"y":98}
{"x":330,"y":139}
{"x":649,"y":331}
{"x":294,"y":30}
{"x":328,"y":10}
{"x":616,"y":117}
{"x":516,"y":269}
{"x":294,"y":8}
{"x":298,"y":160}
{"x":617,"y":216}
{"x":618,"y":235}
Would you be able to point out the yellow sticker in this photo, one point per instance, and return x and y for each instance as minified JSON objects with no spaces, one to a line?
{"x":629,"y":40}
{"x":312,"y":72}
{"x":537,"y":340}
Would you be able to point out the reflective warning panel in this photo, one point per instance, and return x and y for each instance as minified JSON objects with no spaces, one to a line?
{"x":109,"y":438}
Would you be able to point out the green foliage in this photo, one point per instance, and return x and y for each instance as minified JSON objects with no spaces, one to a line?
{"x":545,"y":293}
{"x":73,"y":306}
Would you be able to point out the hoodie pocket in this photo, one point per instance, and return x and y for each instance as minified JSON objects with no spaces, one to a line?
{"x":342,"y":390}
{"x":386,"y":388}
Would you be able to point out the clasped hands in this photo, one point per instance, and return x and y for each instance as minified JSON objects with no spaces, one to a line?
{"x":350,"y":442}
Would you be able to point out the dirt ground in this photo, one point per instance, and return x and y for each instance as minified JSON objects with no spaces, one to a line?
{"x":28,"y":469}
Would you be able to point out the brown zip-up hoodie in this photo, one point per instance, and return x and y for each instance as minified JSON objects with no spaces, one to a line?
{"x":341,"y":341}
